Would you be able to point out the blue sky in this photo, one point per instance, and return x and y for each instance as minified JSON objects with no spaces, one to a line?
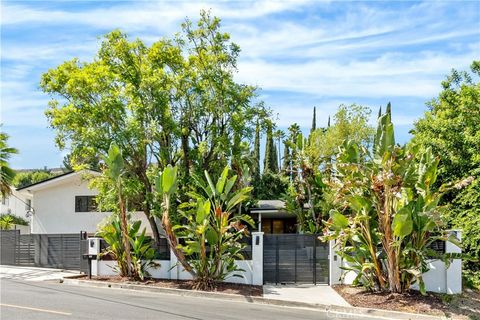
{"x":301,"y":53}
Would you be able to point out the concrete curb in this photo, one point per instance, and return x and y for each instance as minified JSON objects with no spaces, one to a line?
{"x":336,"y":311}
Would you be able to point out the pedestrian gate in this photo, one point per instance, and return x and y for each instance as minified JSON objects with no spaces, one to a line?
{"x":295,"y":258}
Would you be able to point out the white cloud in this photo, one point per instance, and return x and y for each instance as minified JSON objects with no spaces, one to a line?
{"x":322,"y":54}
{"x":31,"y":54}
{"x":389,"y":75}
{"x":22,"y":105}
{"x":143,"y":15}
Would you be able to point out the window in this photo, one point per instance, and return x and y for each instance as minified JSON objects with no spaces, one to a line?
{"x":85,"y":204}
{"x":5,"y":201}
{"x":28,"y":204}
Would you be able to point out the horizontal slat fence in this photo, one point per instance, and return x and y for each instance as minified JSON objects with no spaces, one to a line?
{"x":42,"y":250}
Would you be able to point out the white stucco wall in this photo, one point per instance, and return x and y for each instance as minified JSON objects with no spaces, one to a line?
{"x":438,"y":279}
{"x":106,"y":268}
{"x":54,"y":207}
{"x":170,"y":269}
{"x":335,"y":263}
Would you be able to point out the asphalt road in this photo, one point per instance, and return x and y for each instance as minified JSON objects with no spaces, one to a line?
{"x":49,"y":300}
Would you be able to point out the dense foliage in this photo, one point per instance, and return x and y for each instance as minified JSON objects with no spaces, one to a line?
{"x":350,"y":122}
{"x":10,"y":219}
{"x":154,"y":118}
{"x":141,"y":252}
{"x":213,"y":229}
{"x":451,"y":128}
{"x":308,"y":163}
{"x":388,"y":213}
{"x":113,"y":175}
{"x":7,"y":174}
{"x":23,"y":179}
{"x":173,"y":102}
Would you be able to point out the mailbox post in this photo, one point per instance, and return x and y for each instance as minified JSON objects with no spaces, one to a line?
{"x":89,"y":258}
{"x":93,"y":253}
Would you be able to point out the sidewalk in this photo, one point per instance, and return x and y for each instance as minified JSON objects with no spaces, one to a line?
{"x":307,"y":293}
{"x":34,"y":273}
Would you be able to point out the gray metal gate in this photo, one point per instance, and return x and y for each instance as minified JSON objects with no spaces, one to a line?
{"x":295,"y":258}
{"x":42,"y":250}
{"x":8,"y":247}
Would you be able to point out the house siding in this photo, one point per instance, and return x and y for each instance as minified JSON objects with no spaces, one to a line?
{"x":55,"y":209}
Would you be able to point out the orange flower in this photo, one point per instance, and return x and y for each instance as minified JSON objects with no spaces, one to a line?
{"x":218,"y":212}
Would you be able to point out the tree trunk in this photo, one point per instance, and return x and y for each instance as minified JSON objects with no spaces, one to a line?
{"x":388,"y":245}
{"x":124,"y":226}
{"x":147,"y":207}
{"x":185,"y":149}
{"x":154,"y":227}
{"x":172,"y":239}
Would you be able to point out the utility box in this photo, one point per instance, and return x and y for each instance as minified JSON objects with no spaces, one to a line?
{"x":94,"y":246}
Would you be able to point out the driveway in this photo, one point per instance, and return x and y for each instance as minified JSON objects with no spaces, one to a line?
{"x":308,"y":293}
{"x":33,"y":273}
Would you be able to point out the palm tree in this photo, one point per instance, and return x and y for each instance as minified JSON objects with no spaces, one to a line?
{"x":6,"y":173}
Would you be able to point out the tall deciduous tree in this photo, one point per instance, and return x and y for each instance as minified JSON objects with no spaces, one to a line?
{"x":451,"y":128}
{"x":349,"y":123}
{"x":174,"y":102}
{"x":214,"y":106}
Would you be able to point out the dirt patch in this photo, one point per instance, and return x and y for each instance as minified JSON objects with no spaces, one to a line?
{"x":222,"y":287}
{"x":463,"y":306}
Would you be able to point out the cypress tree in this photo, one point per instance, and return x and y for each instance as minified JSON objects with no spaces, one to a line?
{"x":269,"y":160}
{"x":274,"y":159}
{"x":286,"y":167}
{"x":328,"y":124}
{"x":279,"y":135}
{"x":256,"y":155}
{"x":314,"y":120}
{"x":380,"y":112}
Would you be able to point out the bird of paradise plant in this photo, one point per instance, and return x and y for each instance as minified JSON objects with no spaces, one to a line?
{"x":387,"y":212}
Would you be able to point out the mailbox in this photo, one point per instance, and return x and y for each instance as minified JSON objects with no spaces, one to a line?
{"x":92,"y":253}
{"x":93,"y":246}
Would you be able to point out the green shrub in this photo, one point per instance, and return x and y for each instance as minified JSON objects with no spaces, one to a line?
{"x":15,"y":219}
{"x":6,"y":222}
{"x":142,"y":252}
{"x":213,"y":230}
